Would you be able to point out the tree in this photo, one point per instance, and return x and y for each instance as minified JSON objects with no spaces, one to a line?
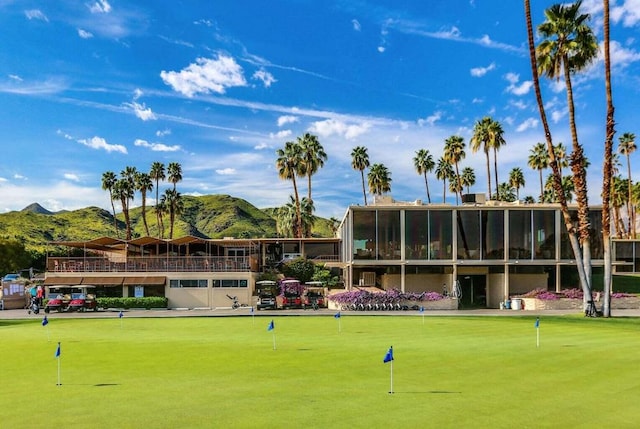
{"x":468,"y":178}
{"x":144,"y":185}
{"x":360,"y":161}
{"x":172,"y":199}
{"x":308,"y":219}
{"x":288,"y":164}
{"x":539,"y":160}
{"x":123,"y":190}
{"x":626,"y":147}
{"x":480,"y":140}
{"x":286,"y":218}
{"x":516,"y":180}
{"x":618,"y":197}
{"x":157,"y":173}
{"x":505,"y":192}
{"x":379,"y":179}
{"x":108,"y":182}
{"x":585,"y":283}
{"x":423,"y":162}
{"x":444,"y":172}
{"x":495,"y":142}
{"x":569,"y":46}
{"x":454,"y":153}
{"x":161,"y":210}
{"x":313,"y":157}
{"x":174,"y":173}
{"x":561,"y":156}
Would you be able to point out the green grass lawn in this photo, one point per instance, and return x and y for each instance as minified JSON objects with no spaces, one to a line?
{"x":197,"y":372}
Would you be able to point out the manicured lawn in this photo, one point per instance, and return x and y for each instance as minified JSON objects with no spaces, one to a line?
{"x":197,"y":372}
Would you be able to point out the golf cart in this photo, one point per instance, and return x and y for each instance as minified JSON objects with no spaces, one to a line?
{"x":314,"y":295}
{"x":267,"y":292}
{"x":81,"y":300}
{"x":58,"y":300}
{"x":291,"y":293}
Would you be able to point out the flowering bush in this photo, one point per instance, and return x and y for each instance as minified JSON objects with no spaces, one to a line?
{"x":573,"y":293}
{"x":391,"y":296}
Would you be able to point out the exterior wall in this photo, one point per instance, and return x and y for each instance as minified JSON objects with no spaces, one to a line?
{"x":416,"y":282}
{"x":495,"y":290}
{"x":523,"y":283}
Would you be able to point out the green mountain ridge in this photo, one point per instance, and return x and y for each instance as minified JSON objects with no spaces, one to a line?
{"x":208,"y":216}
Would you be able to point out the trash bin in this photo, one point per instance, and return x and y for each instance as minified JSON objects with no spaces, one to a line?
{"x":516,"y":304}
{"x":507,"y":305}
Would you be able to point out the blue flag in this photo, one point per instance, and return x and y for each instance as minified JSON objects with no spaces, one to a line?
{"x":271,"y":326}
{"x":537,"y":325}
{"x":337,"y":315}
{"x":121,"y":315}
{"x":45,"y":321}
{"x":58,"y":351}
{"x":421,"y":309}
{"x":251,"y":309}
{"x":389,"y":356}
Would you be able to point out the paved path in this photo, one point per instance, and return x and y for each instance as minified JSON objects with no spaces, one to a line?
{"x":218,"y":312}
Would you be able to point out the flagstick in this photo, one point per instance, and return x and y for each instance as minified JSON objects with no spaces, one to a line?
{"x":274,"y":339}
{"x":59,"y":381}
{"x":48,"y":334}
{"x":391,"y":391}
{"x":538,"y":337}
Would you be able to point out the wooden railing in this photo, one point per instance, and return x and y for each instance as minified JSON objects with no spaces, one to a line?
{"x":152,"y":264}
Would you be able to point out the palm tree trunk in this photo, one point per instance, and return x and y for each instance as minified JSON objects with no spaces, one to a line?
{"x":486,"y":152}
{"x":144,"y":213}
{"x":298,"y":226}
{"x":495,"y":167}
{"x":426,"y":182}
{"x":364,"y":191}
{"x":115,"y":220}
{"x":158,"y":216}
{"x":632,"y":232}
{"x":541,"y":187}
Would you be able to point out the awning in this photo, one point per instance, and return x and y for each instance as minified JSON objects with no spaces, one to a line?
{"x":62,"y":281}
{"x":103,"y":281}
{"x":146,"y":280}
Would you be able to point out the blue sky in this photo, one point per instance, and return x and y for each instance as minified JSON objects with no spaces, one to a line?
{"x":97,"y":85}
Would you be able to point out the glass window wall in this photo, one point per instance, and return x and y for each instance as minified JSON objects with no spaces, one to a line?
{"x":440,"y":234}
{"x":544,"y":234}
{"x":364,"y":234}
{"x":468,"y":234}
{"x":520,"y":234}
{"x":493,"y":234}
{"x":389,"y":239}
{"x":416,"y":234}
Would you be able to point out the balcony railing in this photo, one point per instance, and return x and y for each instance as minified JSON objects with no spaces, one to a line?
{"x":153,"y":264}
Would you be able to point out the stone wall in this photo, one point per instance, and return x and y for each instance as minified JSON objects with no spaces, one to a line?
{"x":576,"y":304}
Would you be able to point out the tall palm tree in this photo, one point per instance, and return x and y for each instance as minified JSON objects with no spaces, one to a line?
{"x":454,"y":153}
{"x":157,"y":173}
{"x":313,"y":157}
{"x":618,"y":198}
{"x":539,"y":160}
{"x":288,"y":164}
{"x":108,"y":181}
{"x":174,"y":173}
{"x":127,"y":190}
{"x":468,"y":178}
{"x":516,"y":180}
{"x":455,"y":186}
{"x":360,"y":161}
{"x":423,"y":162}
{"x":286,"y":218}
{"x":161,"y":210}
{"x":379,"y":179}
{"x":561,"y":156}
{"x":480,"y":140}
{"x":308,"y":219}
{"x":444,"y":172}
{"x":626,"y":146}
{"x":585,"y":281}
{"x":144,"y":184}
{"x":175,"y":204}
{"x":569,"y":46}
{"x":495,"y":142}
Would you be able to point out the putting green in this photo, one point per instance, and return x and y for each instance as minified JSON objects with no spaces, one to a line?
{"x":204,"y":372}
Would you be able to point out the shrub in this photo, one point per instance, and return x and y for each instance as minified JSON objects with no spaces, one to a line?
{"x":144,"y":302}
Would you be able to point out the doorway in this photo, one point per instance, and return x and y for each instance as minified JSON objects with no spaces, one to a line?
{"x":473,"y":288}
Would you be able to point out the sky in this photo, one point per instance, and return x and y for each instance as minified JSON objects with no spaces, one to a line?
{"x":218,"y":86}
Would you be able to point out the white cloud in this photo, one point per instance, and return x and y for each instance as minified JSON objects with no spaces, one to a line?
{"x":137,"y":93}
{"x":100,"y":6}
{"x":156,"y":147}
{"x":628,"y":13}
{"x":226,"y":171}
{"x":381,"y":49}
{"x":143,"y":112}
{"x":264,"y":76}
{"x":287,"y":119}
{"x":557,"y":115}
{"x":528,"y":123}
{"x":162,"y":133}
{"x":261,"y":146}
{"x":515,"y":86}
{"x":481,"y":71}
{"x":84,"y":34}
{"x":3,"y":180}
{"x":206,"y":75}
{"x":356,"y":24}
{"x":431,"y":119}
{"x":280,"y":134}
{"x":620,"y":56}
{"x":329,"y":127}
{"x":36,"y":14}
{"x":71,"y":176}
{"x":19,"y":177}
{"x":15,"y":77}
{"x":101,"y":144}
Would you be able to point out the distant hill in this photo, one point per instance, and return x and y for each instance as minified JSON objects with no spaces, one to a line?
{"x":208,"y":216}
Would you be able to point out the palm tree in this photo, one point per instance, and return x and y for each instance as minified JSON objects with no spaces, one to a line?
{"x":313,"y":157}
{"x":379,"y":179}
{"x":454,"y":153}
{"x":468,"y":178}
{"x":144,"y":184}
{"x":174,"y":173}
{"x":626,"y":147}
{"x":157,"y":173}
{"x":423,"y":162}
{"x":561,"y":156}
{"x":584,"y":272}
{"x":173,"y":201}
{"x":108,"y":181}
{"x":516,"y":180}
{"x":480,"y":140}
{"x":288,"y":164}
{"x":308,"y":219}
{"x":444,"y":172}
{"x":360,"y":161}
{"x":539,"y":160}
{"x":618,"y":198}
{"x":161,"y":210}
{"x":495,"y":142}
{"x":286,"y":218}
{"x":123,"y":190}
{"x":455,"y":186}
{"x":505,"y":192}
{"x":570,"y":46}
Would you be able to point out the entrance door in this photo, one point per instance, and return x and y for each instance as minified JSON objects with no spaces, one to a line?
{"x":474,"y":290}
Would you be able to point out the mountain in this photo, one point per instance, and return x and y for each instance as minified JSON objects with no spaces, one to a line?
{"x":208,"y":216}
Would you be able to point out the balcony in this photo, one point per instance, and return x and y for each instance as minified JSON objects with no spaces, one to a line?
{"x":152,"y":264}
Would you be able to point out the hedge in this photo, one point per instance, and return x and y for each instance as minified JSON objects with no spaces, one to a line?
{"x":145,"y":302}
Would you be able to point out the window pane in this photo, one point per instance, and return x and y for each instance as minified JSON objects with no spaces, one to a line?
{"x":544,"y":234}
{"x":493,"y":234}
{"x":440,"y":234}
{"x":468,"y":234}
{"x":389,"y":234}
{"x":520,"y":234}
{"x":364,"y":234}
{"x":416,"y":234}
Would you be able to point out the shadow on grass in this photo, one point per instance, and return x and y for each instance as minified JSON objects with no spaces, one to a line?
{"x":427,"y":392}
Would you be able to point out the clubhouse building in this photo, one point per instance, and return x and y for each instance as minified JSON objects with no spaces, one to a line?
{"x":488,"y":250}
